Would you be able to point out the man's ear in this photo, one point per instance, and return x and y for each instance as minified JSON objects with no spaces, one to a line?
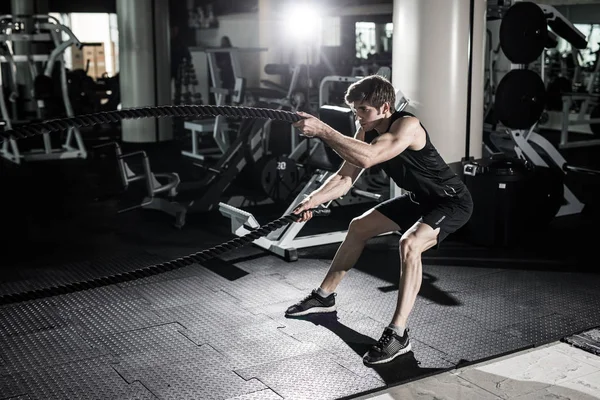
{"x":386,"y":107}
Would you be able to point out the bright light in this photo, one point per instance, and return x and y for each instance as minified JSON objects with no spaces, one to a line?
{"x":303,"y":22}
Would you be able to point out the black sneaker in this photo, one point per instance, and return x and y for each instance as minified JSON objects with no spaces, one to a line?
{"x":389,"y":347}
{"x":312,"y":304}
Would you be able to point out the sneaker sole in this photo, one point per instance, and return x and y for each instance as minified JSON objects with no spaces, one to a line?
{"x":314,"y":310}
{"x":387,"y":360}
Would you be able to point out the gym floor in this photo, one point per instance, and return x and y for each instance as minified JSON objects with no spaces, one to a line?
{"x":217,"y":330}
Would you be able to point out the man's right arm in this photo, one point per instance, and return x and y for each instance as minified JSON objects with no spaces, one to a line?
{"x":339,"y":184}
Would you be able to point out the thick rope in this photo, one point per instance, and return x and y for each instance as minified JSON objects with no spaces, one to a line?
{"x":60,"y":124}
{"x":82,"y":121}
{"x":156,"y":269}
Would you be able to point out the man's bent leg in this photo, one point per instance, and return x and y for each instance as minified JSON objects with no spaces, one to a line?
{"x":394,"y":340}
{"x":372,"y":223}
{"x":419,"y":238}
{"x":361,"y":229}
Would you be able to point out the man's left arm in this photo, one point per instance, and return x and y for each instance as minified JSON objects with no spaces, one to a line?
{"x":401,"y":135}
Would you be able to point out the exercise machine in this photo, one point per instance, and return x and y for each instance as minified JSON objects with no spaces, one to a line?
{"x":159,"y":196}
{"x":218,"y":125}
{"x":47,"y":29}
{"x":520,"y":96}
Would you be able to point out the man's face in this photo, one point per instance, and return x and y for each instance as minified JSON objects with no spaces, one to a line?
{"x":368,"y":116}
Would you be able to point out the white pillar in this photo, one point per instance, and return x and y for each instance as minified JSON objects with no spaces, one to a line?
{"x":431,"y":67}
{"x":144,"y":66}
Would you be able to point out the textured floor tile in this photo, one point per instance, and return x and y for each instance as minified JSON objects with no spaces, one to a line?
{"x":93,"y":297}
{"x":28,"y":317}
{"x":157,"y":344}
{"x":10,"y":387}
{"x":176,"y":292}
{"x":322,"y":378}
{"x":263,"y":266}
{"x":357,"y":286}
{"x":189,"y":376}
{"x":527,"y":372}
{"x":568,"y":300}
{"x":112,"y":318}
{"x":45,"y":348}
{"x":205,"y":320}
{"x":452,"y":279}
{"x":497,"y":311}
{"x":245,"y":346}
{"x":256,"y":291}
{"x":305,"y":274}
{"x":83,"y":379}
{"x":292,"y":326}
{"x":266,"y":394}
{"x":381,"y":307}
{"x":464,"y":339}
{"x":541,"y":330}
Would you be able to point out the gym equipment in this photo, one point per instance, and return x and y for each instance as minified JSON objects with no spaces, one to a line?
{"x":520,"y":99}
{"x":156,"y":269}
{"x":524,"y":35}
{"x":218,"y":125}
{"x":152,"y":183}
{"x":278,"y":176}
{"x":246,"y":153}
{"x":589,"y":112}
{"x":185,"y":85}
{"x":523,"y":32}
{"x":48,"y":29}
{"x":520,"y":92}
{"x":518,"y":196}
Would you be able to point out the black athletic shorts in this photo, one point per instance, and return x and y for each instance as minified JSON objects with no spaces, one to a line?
{"x":448,"y":214}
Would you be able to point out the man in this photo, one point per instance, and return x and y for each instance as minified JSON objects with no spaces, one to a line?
{"x":437,"y":204}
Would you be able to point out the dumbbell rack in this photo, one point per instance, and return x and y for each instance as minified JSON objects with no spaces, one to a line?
{"x":73,"y":146}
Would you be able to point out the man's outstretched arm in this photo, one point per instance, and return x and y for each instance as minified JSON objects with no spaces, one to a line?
{"x":364,"y":155}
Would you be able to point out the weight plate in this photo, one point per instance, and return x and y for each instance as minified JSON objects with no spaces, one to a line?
{"x":523,"y":32}
{"x":520,"y":99}
{"x":279,"y":178}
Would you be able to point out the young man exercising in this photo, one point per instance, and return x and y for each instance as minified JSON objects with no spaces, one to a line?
{"x":437,"y":203}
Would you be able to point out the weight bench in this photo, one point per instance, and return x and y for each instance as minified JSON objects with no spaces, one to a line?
{"x":153,"y":185}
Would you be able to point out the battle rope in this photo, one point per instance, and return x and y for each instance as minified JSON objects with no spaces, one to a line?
{"x":60,"y":124}
{"x":203,"y":255}
{"x":82,"y":121}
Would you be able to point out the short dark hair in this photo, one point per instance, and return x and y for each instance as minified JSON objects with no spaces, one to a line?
{"x":374,"y":89}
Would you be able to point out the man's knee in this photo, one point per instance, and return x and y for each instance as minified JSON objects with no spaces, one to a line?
{"x":414,"y":243}
{"x":409,"y":247}
{"x":361,"y":228}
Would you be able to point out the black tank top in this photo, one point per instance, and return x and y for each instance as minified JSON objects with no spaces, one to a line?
{"x":422,"y":172}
